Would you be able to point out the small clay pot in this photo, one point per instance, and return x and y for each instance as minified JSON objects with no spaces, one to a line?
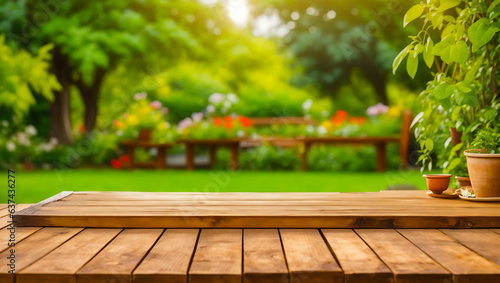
{"x":463,"y":181}
{"x":437,"y":183}
{"x":145,"y":134}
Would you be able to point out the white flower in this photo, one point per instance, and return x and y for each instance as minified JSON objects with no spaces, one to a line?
{"x":210,"y":109}
{"x":140,"y":95}
{"x":465,"y":193}
{"x":240,"y":133}
{"x":227,"y":104}
{"x":325,"y":113}
{"x":307,"y":104}
{"x":216,"y":98}
{"x":321,"y":130}
{"x":167,"y":125}
{"x":23,"y":139}
{"x":53,"y":141}
{"x":30,"y":130}
{"x":197,"y":116}
{"x":10,"y":145}
{"x":310,"y":129}
{"x":119,"y":132}
{"x":233,"y":98}
{"x":155,"y":105}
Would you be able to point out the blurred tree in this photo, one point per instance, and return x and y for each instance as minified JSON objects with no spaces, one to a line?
{"x":22,"y":76}
{"x":91,"y":39}
{"x":332,"y":38}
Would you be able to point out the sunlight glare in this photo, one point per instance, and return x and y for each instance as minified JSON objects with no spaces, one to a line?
{"x":238,"y":11}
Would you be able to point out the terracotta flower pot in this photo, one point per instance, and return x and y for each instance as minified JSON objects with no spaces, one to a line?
{"x":484,"y":172}
{"x":437,"y":183}
{"x":463,"y":181}
{"x":145,"y":134}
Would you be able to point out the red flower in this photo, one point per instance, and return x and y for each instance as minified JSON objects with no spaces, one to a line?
{"x":353,"y":120}
{"x":125,"y":159}
{"x":82,"y":129}
{"x":361,"y":120}
{"x":228,"y":122}
{"x":245,"y":122}
{"x":117,"y":164}
{"x":341,"y":114}
{"x":217,"y":121}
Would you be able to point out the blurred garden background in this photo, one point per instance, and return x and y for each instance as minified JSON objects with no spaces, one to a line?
{"x":77,"y":77}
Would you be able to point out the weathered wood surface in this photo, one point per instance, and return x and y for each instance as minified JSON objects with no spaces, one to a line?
{"x":64,"y":255}
{"x":392,"y":209}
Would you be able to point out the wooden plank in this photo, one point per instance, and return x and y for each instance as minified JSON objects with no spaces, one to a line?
{"x":6,"y":220}
{"x":308,"y":257}
{"x":409,"y":209}
{"x":119,"y":258}
{"x":20,"y":234}
{"x":33,"y":208}
{"x":218,"y":257}
{"x":263,"y":257}
{"x":33,"y":248}
{"x":61,"y":265}
{"x":406,"y":261}
{"x":465,"y":265}
{"x":358,"y":261}
{"x":3,"y":206}
{"x":484,"y":242}
{"x":496,"y":230}
{"x":169,"y":259}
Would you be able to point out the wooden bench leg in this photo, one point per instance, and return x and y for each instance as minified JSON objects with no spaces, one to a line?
{"x":381,"y":157}
{"x":189,"y":156}
{"x":130,"y":154}
{"x":234,"y":157}
{"x":303,"y":158}
{"x":212,"y":156}
{"x":162,"y":158}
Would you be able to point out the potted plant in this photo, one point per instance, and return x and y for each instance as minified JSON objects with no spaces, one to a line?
{"x":459,"y":43}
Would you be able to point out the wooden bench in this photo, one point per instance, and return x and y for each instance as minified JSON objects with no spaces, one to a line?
{"x":131,"y":145}
{"x":213,"y":145}
{"x":379,"y":143}
{"x":289,"y":252}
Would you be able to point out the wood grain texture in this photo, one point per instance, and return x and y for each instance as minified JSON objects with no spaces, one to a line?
{"x":465,"y":265}
{"x":119,"y":258}
{"x":218,"y":257}
{"x":61,"y":265}
{"x":396,"y":209}
{"x":20,"y":234}
{"x":6,"y":220}
{"x":480,"y":241}
{"x":169,"y":259}
{"x":308,"y":257}
{"x":359,"y":263}
{"x":406,"y":261}
{"x":35,"y":247}
{"x":263,"y":258}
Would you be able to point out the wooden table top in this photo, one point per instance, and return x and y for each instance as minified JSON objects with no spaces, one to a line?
{"x":98,"y":255}
{"x":387,"y":209}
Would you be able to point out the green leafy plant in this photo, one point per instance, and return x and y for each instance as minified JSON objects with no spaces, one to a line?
{"x":459,"y":44}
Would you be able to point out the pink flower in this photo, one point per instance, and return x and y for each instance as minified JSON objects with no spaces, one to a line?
{"x":197,"y":116}
{"x":155,"y":105}
{"x":377,"y":109}
{"x":164,"y":110}
{"x":187,"y":122}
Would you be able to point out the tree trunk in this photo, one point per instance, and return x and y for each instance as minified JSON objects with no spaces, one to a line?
{"x":378,"y":79}
{"x":90,"y":97}
{"x":60,"y":122}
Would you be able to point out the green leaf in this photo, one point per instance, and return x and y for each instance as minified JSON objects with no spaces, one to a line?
{"x":401,"y":56}
{"x":470,"y":99}
{"x":412,"y":66}
{"x":448,"y":30}
{"x":429,"y":144}
{"x":490,"y":114}
{"x":492,"y":6}
{"x":438,"y":48}
{"x":436,"y":19}
{"x":443,"y":91}
{"x":454,"y":163}
{"x":417,"y":119}
{"x":412,"y":14}
{"x":455,"y":113}
{"x":428,"y":56}
{"x":464,"y":87}
{"x":480,"y":33}
{"x":446,"y":55}
{"x":449,"y":19}
{"x":459,"y":52}
{"x":448,"y":4}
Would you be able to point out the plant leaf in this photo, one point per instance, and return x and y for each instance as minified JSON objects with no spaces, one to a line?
{"x":412,"y":14}
{"x":443,"y":91}
{"x":492,"y":6}
{"x":480,"y":33}
{"x":448,"y":4}
{"x":397,"y":61}
{"x":428,"y":56}
{"x":411,"y":66}
{"x":459,"y":52}
{"x":429,"y":144}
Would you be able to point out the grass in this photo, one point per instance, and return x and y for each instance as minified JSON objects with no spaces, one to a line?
{"x":35,"y":186}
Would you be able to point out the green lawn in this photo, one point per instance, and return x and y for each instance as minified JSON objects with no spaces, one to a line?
{"x":38,"y":185}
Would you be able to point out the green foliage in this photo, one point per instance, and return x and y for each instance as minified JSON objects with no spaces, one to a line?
{"x":464,"y":91}
{"x":22,"y":76}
